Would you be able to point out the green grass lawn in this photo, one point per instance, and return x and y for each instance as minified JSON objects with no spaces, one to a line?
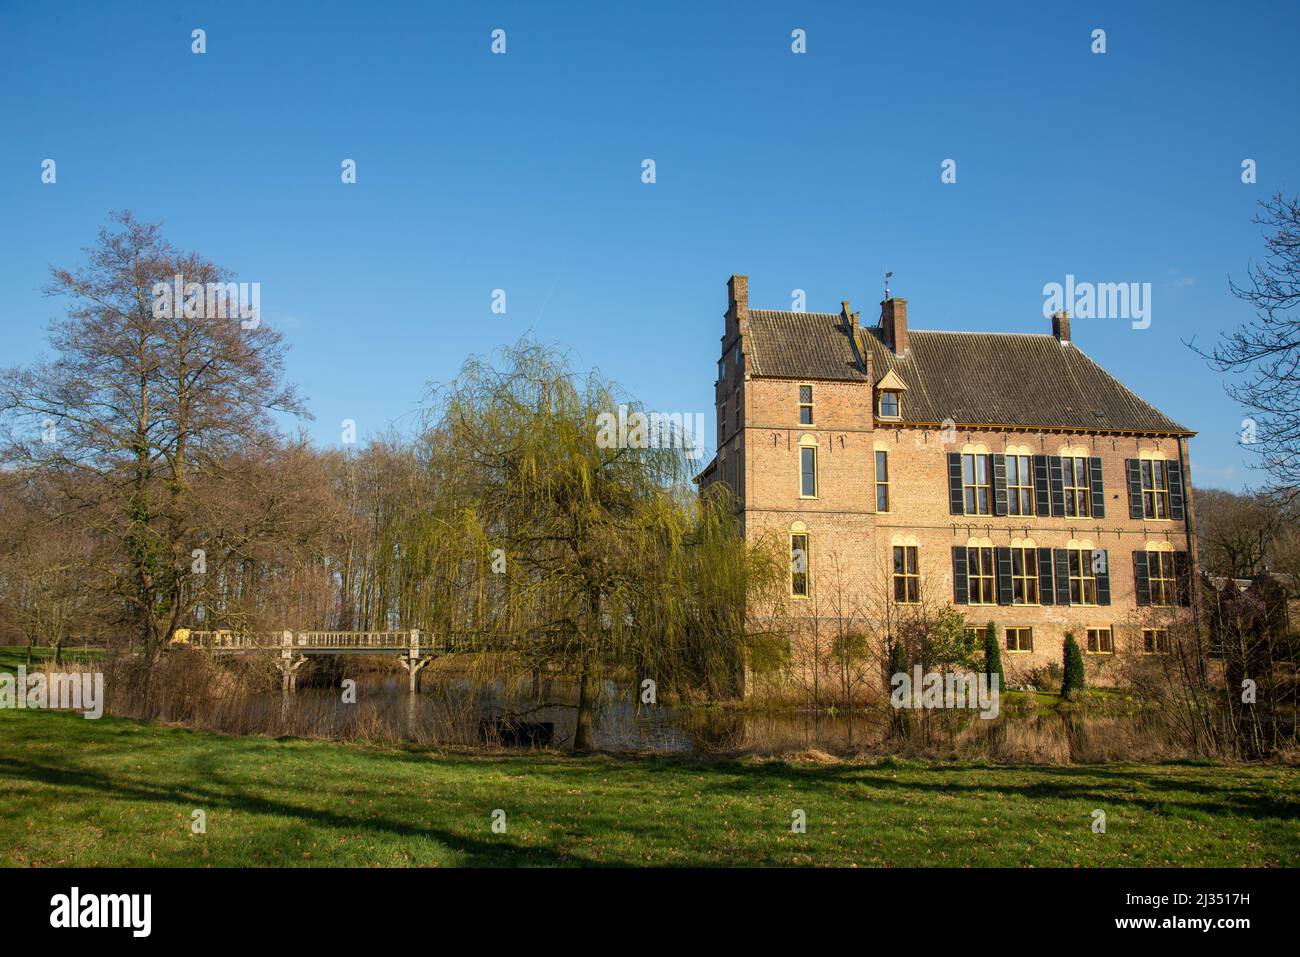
{"x":11,"y":656}
{"x":114,"y":792}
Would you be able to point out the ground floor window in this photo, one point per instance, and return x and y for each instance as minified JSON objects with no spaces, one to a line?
{"x":1155,"y":641}
{"x":1020,"y":639}
{"x":1100,"y":641}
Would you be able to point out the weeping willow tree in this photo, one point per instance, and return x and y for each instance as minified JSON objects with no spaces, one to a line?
{"x":532,"y":542}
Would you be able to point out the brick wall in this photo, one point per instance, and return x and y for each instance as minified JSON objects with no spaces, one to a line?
{"x":851,"y":544}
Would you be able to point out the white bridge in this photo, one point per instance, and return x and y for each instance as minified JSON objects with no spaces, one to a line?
{"x":291,"y":648}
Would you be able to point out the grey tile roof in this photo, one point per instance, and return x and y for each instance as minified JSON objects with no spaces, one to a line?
{"x":972,"y":378}
{"x":795,"y":345}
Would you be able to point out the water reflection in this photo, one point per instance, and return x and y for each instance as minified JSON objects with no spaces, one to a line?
{"x":452,"y":712}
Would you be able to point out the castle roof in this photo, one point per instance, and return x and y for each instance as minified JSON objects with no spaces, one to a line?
{"x":971,"y":378}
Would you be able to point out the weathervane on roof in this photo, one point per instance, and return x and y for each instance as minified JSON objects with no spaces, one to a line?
{"x":888,"y":276}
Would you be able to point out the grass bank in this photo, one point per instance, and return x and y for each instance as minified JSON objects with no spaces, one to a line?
{"x":122,"y":793}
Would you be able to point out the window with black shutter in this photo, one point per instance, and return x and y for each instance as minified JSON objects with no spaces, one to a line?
{"x":1003,"y":554}
{"x":1042,"y":492}
{"x":1020,"y":485}
{"x":1046,"y":585}
{"x":1098,"y":489}
{"x":1061,"y":568}
{"x":1057,"y":484}
{"x":1101,"y":568}
{"x":1162,"y":578}
{"x":1077,"y":486}
{"x":1141,"y":579}
{"x":954,"y":483}
{"x":999,"y":484}
{"x":1024,"y":576}
{"x":981,"y":576}
{"x":960,"y":595}
{"x":1133,"y":472}
{"x":1183,"y":576}
{"x":1176,"y":491}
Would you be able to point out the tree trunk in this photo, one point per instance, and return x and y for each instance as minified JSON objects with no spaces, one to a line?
{"x":583,"y":737}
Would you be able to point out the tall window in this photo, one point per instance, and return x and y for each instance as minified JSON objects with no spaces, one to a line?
{"x":907,"y":578}
{"x":808,"y":472}
{"x":1020,"y":485}
{"x":882,"y":481}
{"x":976,"y":483}
{"x":1155,"y":641}
{"x":737,"y":411}
{"x":1083,"y":581}
{"x":805,"y":405}
{"x":1024,"y":576}
{"x":1160,"y":571}
{"x":722,"y":422}
{"x":1100,"y":641}
{"x":799,"y":565}
{"x":1155,"y":489}
{"x":1020,"y":639}
{"x":889,"y":405}
{"x":980,"y":577}
{"x":1078,"y":497}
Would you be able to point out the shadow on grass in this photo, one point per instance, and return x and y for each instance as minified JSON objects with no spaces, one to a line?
{"x":229,"y":796}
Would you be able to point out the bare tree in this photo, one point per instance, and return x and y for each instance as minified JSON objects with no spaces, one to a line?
{"x":143,"y":401}
{"x":1266,"y":350}
{"x":1235,"y":533}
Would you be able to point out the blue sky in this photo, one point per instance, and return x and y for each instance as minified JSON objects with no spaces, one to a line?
{"x":523,"y":172}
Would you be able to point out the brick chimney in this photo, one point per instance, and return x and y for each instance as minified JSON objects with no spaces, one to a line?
{"x":737,"y":306}
{"x":1061,"y":327}
{"x":893,"y":323}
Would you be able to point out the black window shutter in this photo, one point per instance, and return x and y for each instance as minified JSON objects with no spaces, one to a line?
{"x":1002,"y":562}
{"x":1103,"y":576}
{"x":1176,"y":491}
{"x":1183,"y":577}
{"x":1133,"y":470}
{"x":954,"y":484}
{"x":1046,"y":590}
{"x":1056,"y":480}
{"x":1098,"y":489}
{"x":1061,"y":565}
{"x":960,"y":588}
{"x":1042,"y":500}
{"x":999,"y":484}
{"x":1141,"y":578}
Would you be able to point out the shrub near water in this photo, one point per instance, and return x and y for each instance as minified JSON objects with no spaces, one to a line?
{"x":1072,"y":682}
{"x":993,"y":656}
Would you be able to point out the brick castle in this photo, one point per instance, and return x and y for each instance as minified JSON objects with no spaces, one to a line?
{"x":1005,"y":474}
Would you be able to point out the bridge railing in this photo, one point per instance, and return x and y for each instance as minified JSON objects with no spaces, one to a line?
{"x":226,"y":640}
{"x":354,"y":639}
{"x":229,"y":639}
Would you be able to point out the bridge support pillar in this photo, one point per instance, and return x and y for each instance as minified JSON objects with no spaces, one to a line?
{"x":289,"y":664}
{"x":414,"y":665}
{"x":289,"y":672}
{"x":413,"y":662}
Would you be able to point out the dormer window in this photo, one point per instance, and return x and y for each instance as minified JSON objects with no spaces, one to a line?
{"x":889,"y":396}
